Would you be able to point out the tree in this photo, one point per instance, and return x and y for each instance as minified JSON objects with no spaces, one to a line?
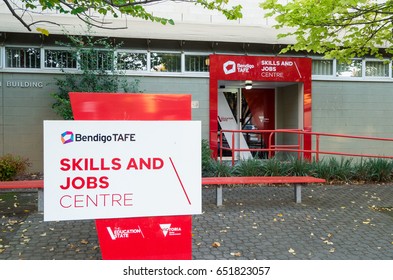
{"x":98,"y":67}
{"x":341,"y":29}
{"x":25,"y":10}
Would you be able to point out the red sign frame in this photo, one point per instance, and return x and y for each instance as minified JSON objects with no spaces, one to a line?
{"x":147,"y":238}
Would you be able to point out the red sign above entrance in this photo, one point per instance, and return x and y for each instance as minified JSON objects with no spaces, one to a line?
{"x":261,"y":68}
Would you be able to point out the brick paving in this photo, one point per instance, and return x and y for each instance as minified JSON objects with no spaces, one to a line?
{"x":331,"y":223}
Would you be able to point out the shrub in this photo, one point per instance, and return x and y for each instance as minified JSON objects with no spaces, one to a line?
{"x":220,"y":169}
{"x":207,"y":161}
{"x":248,"y":167}
{"x":274,"y":167}
{"x":298,"y":167}
{"x":98,"y":71}
{"x":12,"y":166}
{"x":379,"y":170}
{"x":333,"y":170}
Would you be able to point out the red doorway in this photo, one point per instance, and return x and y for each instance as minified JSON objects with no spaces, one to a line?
{"x":261,"y":103}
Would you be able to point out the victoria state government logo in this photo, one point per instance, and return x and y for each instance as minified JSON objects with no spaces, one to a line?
{"x":67,"y":137}
{"x":168,"y":230}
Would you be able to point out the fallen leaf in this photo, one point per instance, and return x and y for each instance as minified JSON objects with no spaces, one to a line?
{"x":84,"y":241}
{"x":280,"y":215}
{"x":366,"y":222}
{"x":236,"y":254}
{"x":216,"y":244}
{"x":332,"y":250}
{"x":44,"y":234}
{"x":292,"y":251}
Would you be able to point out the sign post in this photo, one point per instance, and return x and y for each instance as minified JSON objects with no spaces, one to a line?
{"x":129,"y":161}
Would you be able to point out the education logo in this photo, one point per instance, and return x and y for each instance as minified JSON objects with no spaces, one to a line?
{"x":118,"y":232}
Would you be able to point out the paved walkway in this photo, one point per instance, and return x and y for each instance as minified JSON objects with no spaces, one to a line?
{"x":332,"y":223}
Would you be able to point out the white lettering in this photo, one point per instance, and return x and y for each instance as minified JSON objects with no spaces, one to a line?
{"x":25,"y":84}
{"x":272,"y":74}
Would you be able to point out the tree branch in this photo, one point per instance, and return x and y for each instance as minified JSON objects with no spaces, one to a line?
{"x":16,"y":15}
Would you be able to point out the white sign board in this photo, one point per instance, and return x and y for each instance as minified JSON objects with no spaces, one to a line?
{"x":119,"y":169}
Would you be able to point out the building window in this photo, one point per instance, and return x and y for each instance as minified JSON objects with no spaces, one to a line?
{"x":197,"y":63}
{"x":132,"y":61}
{"x":352,"y":69}
{"x":23,"y":57}
{"x":165,"y":62}
{"x":322,"y":67}
{"x":377,"y":69}
{"x":96,"y":59}
{"x":60,"y":59}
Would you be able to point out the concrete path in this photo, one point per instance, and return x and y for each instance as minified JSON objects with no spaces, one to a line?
{"x":332,"y":223}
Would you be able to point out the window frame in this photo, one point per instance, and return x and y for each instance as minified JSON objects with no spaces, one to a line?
{"x":136,"y":52}
{"x":22,"y":47}
{"x":196,"y":54}
{"x":181,"y":72}
{"x":58,"y":68}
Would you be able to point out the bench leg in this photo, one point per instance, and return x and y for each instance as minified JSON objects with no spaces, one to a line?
{"x":40,"y":200}
{"x":219,"y":195}
{"x":298,"y":193}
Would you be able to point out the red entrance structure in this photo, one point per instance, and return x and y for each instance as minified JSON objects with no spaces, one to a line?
{"x":259,"y":68}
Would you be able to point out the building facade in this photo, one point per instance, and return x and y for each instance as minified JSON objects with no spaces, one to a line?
{"x":347,"y":99}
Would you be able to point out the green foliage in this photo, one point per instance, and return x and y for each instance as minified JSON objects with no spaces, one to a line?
{"x":97,"y":65}
{"x":219,"y":169}
{"x":298,"y":167}
{"x":274,"y":167}
{"x":341,"y":29}
{"x":379,"y":170}
{"x":12,"y":166}
{"x":207,"y":161}
{"x":333,"y":170}
{"x":249,"y":167}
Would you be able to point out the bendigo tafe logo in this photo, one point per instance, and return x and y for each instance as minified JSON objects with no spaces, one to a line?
{"x":67,"y":137}
{"x":229,"y":67}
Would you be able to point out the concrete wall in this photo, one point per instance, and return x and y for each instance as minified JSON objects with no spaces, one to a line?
{"x":25,"y":102}
{"x":357,"y":108}
{"x":287,"y":113}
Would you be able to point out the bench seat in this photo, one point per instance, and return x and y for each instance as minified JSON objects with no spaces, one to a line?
{"x":26,"y":184}
{"x":297,"y":181}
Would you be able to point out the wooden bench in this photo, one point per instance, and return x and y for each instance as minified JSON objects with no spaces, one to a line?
{"x":26,"y":184}
{"x":297,"y":181}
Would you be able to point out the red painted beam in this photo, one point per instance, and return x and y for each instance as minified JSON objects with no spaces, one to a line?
{"x":22,"y":184}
